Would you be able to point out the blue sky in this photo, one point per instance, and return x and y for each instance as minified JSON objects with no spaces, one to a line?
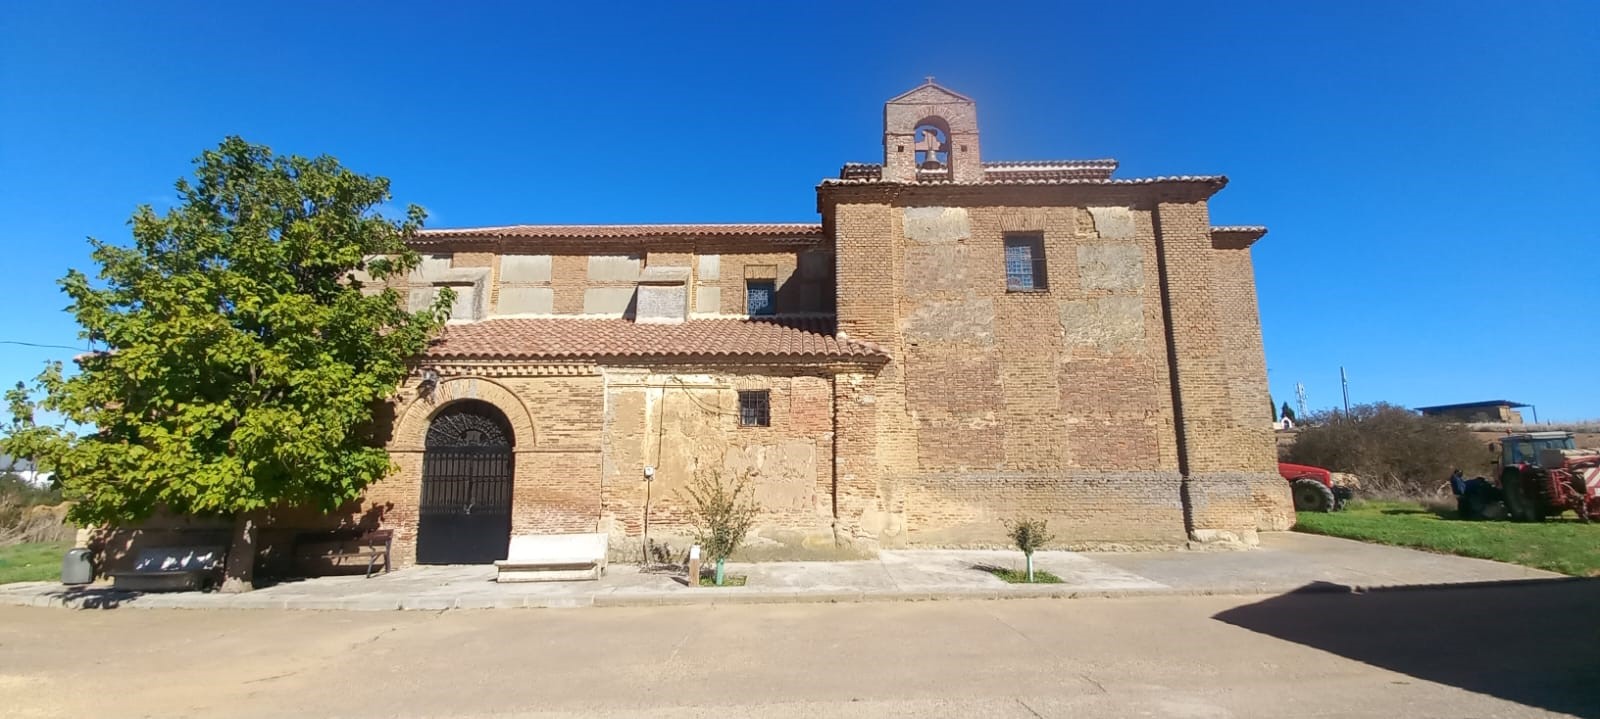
{"x":1429,"y":170}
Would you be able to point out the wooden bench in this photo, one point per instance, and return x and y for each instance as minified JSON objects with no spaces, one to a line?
{"x":554,"y":558}
{"x":371,"y":546}
{"x":171,"y":569}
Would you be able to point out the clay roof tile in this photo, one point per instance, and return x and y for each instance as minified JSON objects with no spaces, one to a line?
{"x":767,"y":339}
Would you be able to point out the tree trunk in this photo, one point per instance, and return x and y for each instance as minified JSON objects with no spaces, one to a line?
{"x":238,"y":572}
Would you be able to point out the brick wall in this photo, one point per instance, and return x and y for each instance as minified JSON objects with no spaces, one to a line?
{"x":563,"y":278}
{"x":1231,"y":485}
{"x":584,"y":435}
{"x":685,"y":423}
{"x":1056,"y":403}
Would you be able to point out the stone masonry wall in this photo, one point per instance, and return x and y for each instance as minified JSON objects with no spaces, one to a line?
{"x":556,"y":424}
{"x":1238,"y":308}
{"x":1003,"y":404}
{"x":584,"y":434}
{"x":1231,"y":486}
{"x":685,"y":423}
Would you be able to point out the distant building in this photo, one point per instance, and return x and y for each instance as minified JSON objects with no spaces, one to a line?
{"x":24,"y":469}
{"x":1495,"y":410}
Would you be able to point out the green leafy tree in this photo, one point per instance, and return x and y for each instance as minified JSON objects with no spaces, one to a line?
{"x":20,"y":406}
{"x":1287,"y":412}
{"x":1029,"y":535}
{"x":243,"y":361}
{"x":722,"y":513}
{"x":25,"y":439}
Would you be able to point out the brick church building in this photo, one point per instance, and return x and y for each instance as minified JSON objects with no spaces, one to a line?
{"x":956,"y":343}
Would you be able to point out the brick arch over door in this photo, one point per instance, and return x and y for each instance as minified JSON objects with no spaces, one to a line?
{"x":412,"y":427}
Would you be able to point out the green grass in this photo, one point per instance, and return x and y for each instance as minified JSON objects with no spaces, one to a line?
{"x":32,"y":561}
{"x":1560,"y":544}
{"x":728,"y":580}
{"x":1020,"y":576}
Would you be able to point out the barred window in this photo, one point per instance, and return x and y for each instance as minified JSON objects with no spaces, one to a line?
{"x":1025,"y":271}
{"x":758,"y":297}
{"x":755,"y":408}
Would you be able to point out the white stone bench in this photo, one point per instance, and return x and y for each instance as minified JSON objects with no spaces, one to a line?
{"x":167,"y":569}
{"x":554,"y":558}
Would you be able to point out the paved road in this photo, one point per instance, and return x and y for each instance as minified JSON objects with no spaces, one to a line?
{"x":1493,"y":652}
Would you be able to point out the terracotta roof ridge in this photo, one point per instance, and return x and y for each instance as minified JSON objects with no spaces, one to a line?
{"x":786,"y":338}
{"x":1022,"y":164}
{"x":1209,"y":179}
{"x":662,"y":226}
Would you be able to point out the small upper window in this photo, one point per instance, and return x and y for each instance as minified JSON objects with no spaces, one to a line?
{"x":758,"y":297}
{"x":755,"y":408}
{"x":1025,"y":271}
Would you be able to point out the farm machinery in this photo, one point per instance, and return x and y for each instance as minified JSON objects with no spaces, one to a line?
{"x":1541,"y":474}
{"x":1313,"y":488}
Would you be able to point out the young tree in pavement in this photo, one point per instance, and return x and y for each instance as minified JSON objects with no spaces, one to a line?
{"x":243,"y":362}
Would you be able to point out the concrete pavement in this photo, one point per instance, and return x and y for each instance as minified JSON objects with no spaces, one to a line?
{"x":1285,"y":562}
{"x":1511,"y":651}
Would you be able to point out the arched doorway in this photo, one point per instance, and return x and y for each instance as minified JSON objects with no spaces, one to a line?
{"x":467,"y":467}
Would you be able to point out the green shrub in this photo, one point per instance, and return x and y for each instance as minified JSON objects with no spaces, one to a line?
{"x":722,"y":513}
{"x":1394,"y":451}
{"x":1029,"y":535}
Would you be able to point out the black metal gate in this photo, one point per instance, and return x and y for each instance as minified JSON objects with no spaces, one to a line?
{"x":465,"y":514}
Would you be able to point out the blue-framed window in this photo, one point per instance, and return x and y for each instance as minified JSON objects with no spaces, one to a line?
{"x":759,"y":296}
{"x":1025,"y":270}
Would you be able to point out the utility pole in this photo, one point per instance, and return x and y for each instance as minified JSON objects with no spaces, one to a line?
{"x":1300,"y":398}
{"x":1344,"y":382}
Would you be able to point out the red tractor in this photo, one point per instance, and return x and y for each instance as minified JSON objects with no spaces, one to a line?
{"x":1313,"y":489}
{"x":1543,"y":474}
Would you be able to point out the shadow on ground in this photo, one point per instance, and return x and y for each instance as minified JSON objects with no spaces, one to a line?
{"x":1534,"y":644}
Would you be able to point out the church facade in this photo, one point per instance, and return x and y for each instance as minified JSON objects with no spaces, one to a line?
{"x":956,"y":343}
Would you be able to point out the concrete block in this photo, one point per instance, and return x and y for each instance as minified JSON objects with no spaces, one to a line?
{"x":1113,"y":325}
{"x":526,"y":301}
{"x":711,"y":267}
{"x":614,"y":268}
{"x":1113,"y":223}
{"x":611,"y":301}
{"x":515,"y":576}
{"x":1118,"y":267}
{"x":430,"y":267}
{"x":419,"y":298}
{"x":708,"y":299}
{"x":465,"y":306}
{"x":665,"y":274}
{"x":662,"y":304}
{"x":525,"y":268}
{"x":937,"y":224}
{"x":958,"y":320}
